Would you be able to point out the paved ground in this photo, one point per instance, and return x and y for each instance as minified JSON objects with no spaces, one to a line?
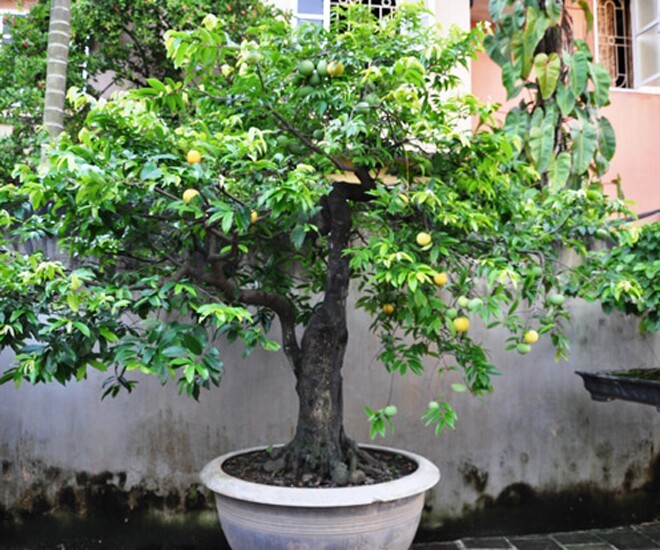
{"x":634,"y":537}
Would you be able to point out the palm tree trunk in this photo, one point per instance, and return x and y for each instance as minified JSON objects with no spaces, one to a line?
{"x":59,"y":37}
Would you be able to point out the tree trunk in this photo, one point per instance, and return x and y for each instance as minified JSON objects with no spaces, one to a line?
{"x":320,"y":445}
{"x":59,"y":36}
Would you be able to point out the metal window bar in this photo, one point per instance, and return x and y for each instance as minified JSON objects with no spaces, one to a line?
{"x":380,"y":8}
{"x":615,"y":41}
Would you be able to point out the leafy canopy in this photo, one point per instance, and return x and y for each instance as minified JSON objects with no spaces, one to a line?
{"x":155,"y":279}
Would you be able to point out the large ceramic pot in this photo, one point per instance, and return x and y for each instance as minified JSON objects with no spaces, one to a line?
{"x":380,"y":516}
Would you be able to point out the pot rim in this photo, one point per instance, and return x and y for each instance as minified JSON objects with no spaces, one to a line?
{"x":423,"y":478}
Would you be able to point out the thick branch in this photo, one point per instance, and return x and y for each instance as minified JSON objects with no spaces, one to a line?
{"x":253,"y":297}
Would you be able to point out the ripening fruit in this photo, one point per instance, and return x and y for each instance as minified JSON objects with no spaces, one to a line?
{"x":322,"y":68}
{"x":388,"y":309}
{"x":194,"y":156}
{"x":252,"y":58}
{"x":461,"y":324}
{"x":254,"y":217}
{"x":537,"y":271}
{"x":423,"y":238}
{"x":531,"y":337}
{"x":523,"y":349}
{"x":475,"y":304}
{"x":335,"y":68}
{"x":440,"y":279}
{"x":557,"y":299}
{"x":306,"y":67}
{"x":462,"y":301}
{"x":390,"y":410}
{"x":452,"y":313}
{"x":189,"y":194}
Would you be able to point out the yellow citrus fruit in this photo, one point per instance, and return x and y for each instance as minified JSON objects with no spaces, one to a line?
{"x":440,"y":279}
{"x":194,"y":156}
{"x":335,"y":68}
{"x":388,"y":309}
{"x":423,"y":238}
{"x":530,"y":337}
{"x":189,"y":194}
{"x":254,"y":217}
{"x":461,"y":324}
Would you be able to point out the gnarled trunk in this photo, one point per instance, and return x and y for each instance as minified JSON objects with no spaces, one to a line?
{"x":320,"y":445}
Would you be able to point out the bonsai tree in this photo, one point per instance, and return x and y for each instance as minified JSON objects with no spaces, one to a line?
{"x":243,"y":202}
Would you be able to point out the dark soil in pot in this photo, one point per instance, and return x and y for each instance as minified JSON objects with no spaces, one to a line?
{"x":256,"y":467}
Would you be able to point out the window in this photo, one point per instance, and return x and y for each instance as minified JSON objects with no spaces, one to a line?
{"x":629,"y":41}
{"x":318,"y":11}
{"x":6,"y":22}
{"x":646,"y":42}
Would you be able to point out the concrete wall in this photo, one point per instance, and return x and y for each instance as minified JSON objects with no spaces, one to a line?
{"x":538,"y":440}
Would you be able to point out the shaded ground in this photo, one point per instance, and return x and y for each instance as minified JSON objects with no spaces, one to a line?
{"x":524,"y":521}
{"x":196,"y":531}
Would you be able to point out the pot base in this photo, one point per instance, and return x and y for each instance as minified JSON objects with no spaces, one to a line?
{"x":265,"y":517}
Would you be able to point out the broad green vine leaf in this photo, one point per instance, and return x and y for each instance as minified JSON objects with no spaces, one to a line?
{"x":554,"y":9}
{"x":565,"y":99}
{"x":496,"y":7}
{"x":606,"y":138}
{"x":547,"y":69}
{"x":559,"y":170}
{"x":587,"y":14}
{"x":540,"y":147}
{"x":601,"y":79}
{"x":537,"y":24}
{"x":577,"y":77}
{"x":511,"y":75}
{"x":517,"y":122}
{"x":585,"y":139}
{"x":497,"y":50}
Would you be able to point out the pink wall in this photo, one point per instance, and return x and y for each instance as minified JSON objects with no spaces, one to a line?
{"x":634,"y":115}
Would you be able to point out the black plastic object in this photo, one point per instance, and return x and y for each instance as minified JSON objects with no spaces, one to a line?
{"x":606,"y":386}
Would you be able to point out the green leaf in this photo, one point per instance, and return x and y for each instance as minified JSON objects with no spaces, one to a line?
{"x":517,"y":122}
{"x":298,"y":236}
{"x":585,"y":139}
{"x":606,"y":138}
{"x":601,"y":79}
{"x":535,"y":28}
{"x":84,"y":329}
{"x":554,"y":8}
{"x":541,"y":142}
{"x":547,"y":69}
{"x":73,"y":301}
{"x":511,"y":75}
{"x":565,"y":99}
{"x":108,"y":335}
{"x":589,"y":17}
{"x":559,"y":170}
{"x":150,"y":172}
{"x":579,"y":71}
{"x":495,"y":8}
{"x":157,"y":85}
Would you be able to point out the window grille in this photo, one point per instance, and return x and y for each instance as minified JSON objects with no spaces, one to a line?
{"x":380,"y":8}
{"x":615,"y":41}
{"x":318,"y":11}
